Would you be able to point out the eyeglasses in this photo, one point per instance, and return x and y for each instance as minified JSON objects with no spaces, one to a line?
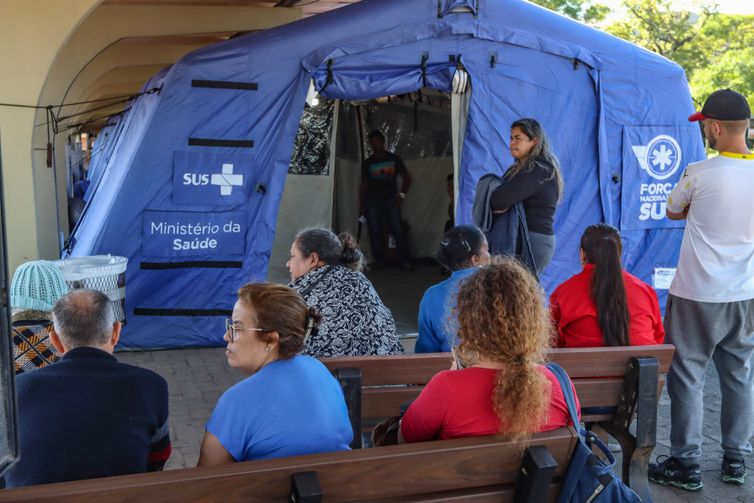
{"x":233,"y":331}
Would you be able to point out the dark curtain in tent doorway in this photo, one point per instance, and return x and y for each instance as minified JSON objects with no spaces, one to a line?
{"x":311,"y":149}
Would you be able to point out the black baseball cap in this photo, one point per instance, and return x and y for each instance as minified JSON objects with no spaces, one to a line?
{"x":723,"y":105}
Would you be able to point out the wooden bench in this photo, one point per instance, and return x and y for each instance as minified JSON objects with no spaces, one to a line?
{"x":614,"y":386}
{"x":471,"y":469}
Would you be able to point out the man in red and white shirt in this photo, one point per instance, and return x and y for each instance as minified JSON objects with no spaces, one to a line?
{"x":710,"y":310}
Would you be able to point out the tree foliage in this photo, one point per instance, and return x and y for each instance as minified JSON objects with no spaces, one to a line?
{"x":728,"y":57}
{"x":655,"y":25}
{"x":716,"y":50}
{"x":581,"y":10}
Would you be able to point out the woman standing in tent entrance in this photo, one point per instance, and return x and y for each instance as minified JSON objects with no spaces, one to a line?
{"x":535,"y":181}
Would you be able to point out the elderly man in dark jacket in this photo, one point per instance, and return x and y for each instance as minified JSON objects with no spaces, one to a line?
{"x":88,"y":415}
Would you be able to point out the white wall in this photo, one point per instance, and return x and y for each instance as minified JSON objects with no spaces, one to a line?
{"x":306,"y":202}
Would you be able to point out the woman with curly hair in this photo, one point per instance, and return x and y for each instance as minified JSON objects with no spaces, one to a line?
{"x":505,"y":388}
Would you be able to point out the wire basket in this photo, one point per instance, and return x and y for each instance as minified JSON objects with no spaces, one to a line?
{"x":104,"y":273}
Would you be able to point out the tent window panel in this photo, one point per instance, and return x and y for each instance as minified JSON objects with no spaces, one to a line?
{"x":415,"y":128}
{"x":348,"y":133}
{"x":311,"y":149}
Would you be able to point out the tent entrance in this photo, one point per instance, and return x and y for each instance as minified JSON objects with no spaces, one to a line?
{"x":322,"y":187}
{"x":417,"y":127}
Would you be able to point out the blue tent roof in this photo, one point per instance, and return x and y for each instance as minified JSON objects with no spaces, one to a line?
{"x":204,"y":162}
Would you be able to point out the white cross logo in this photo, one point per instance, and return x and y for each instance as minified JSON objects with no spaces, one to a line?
{"x":662,"y":156}
{"x":227,"y":180}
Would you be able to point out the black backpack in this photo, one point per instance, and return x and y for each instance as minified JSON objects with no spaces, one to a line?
{"x":589,"y":479}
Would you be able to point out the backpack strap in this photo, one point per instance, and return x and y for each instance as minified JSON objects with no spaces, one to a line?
{"x":565,"y":385}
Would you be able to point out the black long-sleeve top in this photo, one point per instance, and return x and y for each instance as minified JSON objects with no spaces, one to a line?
{"x":537,"y":188}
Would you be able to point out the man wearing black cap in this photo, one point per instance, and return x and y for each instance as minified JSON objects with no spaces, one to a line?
{"x":710,"y":310}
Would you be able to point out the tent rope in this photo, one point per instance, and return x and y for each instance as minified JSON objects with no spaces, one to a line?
{"x":329,"y":75}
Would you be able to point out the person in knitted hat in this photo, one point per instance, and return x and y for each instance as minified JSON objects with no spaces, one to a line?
{"x":35,"y":288}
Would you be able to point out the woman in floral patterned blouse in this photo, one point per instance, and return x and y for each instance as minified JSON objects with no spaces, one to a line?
{"x":326,"y":270}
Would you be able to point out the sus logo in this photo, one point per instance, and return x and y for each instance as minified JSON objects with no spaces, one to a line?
{"x":225,"y":180}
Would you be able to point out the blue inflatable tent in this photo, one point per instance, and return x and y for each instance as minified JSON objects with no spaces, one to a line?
{"x":191,"y":190}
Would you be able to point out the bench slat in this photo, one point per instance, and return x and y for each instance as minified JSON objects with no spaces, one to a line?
{"x":393,"y":369}
{"x":589,"y":362}
{"x":578,"y":362}
{"x":378,"y":403}
{"x":470,"y":464}
{"x":502,"y":494}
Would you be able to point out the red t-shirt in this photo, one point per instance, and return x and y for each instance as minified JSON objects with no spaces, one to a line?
{"x":458,"y":403}
{"x":575,"y":313}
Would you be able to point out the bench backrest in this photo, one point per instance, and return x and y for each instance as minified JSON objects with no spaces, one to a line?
{"x":597,"y":373}
{"x":482,"y":468}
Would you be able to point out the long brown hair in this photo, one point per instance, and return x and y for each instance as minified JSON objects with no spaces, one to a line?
{"x":501,"y":316}
{"x":602,"y":246}
{"x":541,"y":150}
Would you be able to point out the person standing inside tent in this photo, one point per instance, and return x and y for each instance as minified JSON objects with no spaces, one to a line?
{"x":709,"y":314}
{"x":534,"y":180}
{"x":380,"y":199}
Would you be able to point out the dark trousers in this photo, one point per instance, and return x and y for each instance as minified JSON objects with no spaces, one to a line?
{"x":379,"y":213}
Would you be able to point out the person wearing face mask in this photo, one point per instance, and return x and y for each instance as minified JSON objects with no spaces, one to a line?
{"x":290,"y":404}
{"x":462,"y":250}
{"x":326,"y":270}
{"x":534,"y":180}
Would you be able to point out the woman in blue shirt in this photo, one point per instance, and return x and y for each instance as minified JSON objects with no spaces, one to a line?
{"x":462,"y":250}
{"x":290,"y":404}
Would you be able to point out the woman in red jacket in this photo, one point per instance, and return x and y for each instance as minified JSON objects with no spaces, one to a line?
{"x":603,"y":305}
{"x":505,"y":388}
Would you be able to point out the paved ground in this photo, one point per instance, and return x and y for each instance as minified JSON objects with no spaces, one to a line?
{"x":714,"y":490}
{"x":197,"y":378}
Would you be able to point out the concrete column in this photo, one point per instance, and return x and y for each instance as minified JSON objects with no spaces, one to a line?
{"x":31,"y":34}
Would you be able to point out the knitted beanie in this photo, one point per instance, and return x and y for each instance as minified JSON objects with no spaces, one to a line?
{"x":37,"y":286}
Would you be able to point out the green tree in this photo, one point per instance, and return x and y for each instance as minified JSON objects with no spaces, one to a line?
{"x":675,"y":34}
{"x":581,"y":10}
{"x":716,"y":50}
{"x":734,"y":70}
{"x":728,"y":57}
